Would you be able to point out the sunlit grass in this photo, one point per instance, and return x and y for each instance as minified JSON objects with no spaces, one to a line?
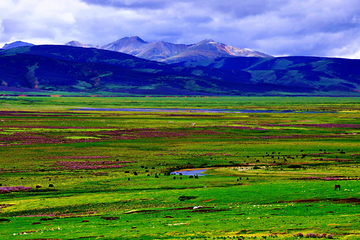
{"x":268,"y":173}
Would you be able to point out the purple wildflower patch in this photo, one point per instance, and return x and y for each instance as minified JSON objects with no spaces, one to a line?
{"x":313,"y":235}
{"x":83,"y":157}
{"x":335,"y":178}
{"x":324,"y":125}
{"x":14,"y":189}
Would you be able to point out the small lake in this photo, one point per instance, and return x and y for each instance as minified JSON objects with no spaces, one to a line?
{"x":196,"y":110}
{"x":195,"y":172}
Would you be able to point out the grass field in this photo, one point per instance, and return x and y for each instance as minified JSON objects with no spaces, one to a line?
{"x":67,"y":173}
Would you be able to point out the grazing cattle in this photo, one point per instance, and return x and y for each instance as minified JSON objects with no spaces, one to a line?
{"x":337,"y":187}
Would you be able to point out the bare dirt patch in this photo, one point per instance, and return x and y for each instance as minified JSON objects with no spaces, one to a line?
{"x":208,"y":209}
{"x":110,"y":218}
{"x":348,"y":200}
{"x":6,"y":205}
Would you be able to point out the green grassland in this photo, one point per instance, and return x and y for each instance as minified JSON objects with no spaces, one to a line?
{"x":105,"y":174}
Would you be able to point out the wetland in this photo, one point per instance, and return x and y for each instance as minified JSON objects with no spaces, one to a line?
{"x":271,"y":172}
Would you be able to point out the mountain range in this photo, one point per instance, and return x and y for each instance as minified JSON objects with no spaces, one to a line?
{"x":171,"y":52}
{"x":131,"y":66}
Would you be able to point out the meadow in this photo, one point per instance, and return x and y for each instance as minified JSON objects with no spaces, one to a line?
{"x":70,"y":173}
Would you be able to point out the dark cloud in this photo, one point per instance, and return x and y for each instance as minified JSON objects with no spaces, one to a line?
{"x":276,"y":27}
{"x":198,"y":19}
{"x":244,"y":8}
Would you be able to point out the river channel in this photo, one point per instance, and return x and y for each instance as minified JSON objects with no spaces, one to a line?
{"x":198,"y":110}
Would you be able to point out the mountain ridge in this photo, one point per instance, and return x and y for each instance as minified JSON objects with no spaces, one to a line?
{"x":96,"y":71}
{"x":171,"y":53}
{"x":161,"y":51}
{"x":16,"y":44}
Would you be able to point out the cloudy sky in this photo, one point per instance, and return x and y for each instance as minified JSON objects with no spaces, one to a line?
{"x":276,"y":27}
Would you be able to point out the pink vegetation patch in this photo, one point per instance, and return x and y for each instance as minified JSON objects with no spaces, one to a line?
{"x":83,"y":157}
{"x":324,"y":125}
{"x":14,"y":189}
{"x":338,"y":178}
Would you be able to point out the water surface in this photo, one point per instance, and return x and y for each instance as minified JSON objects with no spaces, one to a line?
{"x":195,"y":172}
{"x":198,"y":110}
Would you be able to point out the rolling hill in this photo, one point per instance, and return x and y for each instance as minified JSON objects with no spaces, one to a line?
{"x":52,"y":68}
{"x":318,"y":73}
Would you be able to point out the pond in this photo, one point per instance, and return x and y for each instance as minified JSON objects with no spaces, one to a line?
{"x":190,"y":172}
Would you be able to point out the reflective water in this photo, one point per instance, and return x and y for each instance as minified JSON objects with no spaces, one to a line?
{"x":199,"y":110}
{"x":197,"y":172}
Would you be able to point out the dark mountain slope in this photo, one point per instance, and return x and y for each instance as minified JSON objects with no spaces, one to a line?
{"x":319,"y":73}
{"x":66,"y":68}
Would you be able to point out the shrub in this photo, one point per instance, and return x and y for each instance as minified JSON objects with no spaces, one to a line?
{"x":294,"y":166}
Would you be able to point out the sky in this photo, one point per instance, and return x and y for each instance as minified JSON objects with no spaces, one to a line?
{"x":329,"y":28}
